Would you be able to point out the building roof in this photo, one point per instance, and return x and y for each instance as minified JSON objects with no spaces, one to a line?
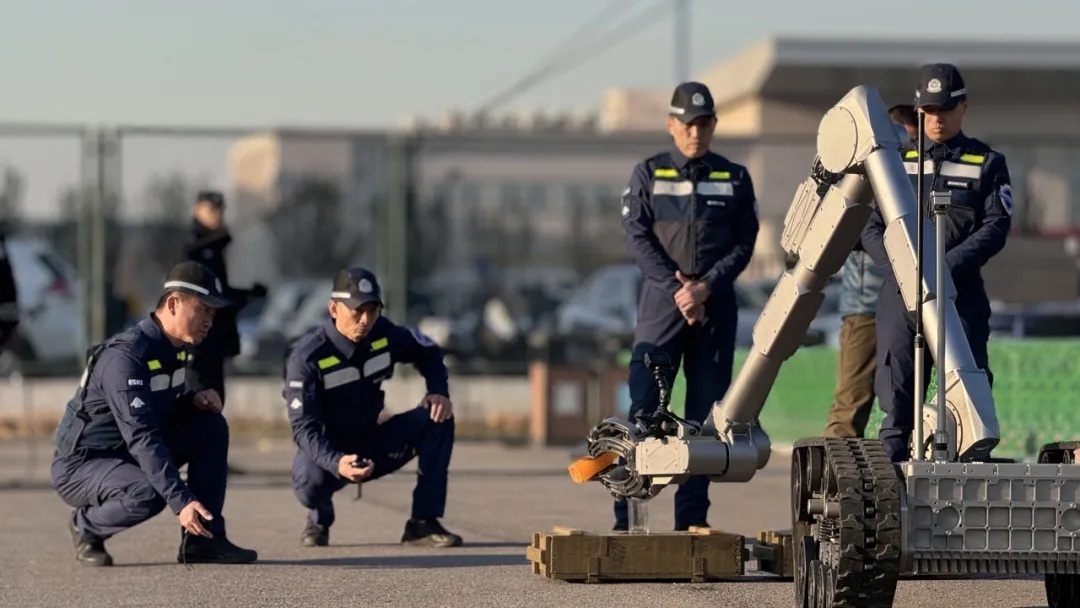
{"x":784,"y":66}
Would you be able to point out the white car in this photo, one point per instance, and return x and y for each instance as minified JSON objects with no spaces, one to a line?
{"x":50,"y":331}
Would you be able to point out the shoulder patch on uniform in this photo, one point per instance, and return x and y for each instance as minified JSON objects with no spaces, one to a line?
{"x":420,"y":337}
{"x":295,"y":404}
{"x":135,"y":382}
{"x":137,"y":403}
{"x":1005,"y":196}
{"x":296,"y":384}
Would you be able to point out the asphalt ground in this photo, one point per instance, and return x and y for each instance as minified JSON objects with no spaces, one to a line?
{"x":499,"y":496}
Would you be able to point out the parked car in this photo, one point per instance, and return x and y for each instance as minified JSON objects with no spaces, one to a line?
{"x":606,"y":303}
{"x":261,"y":346}
{"x":50,"y":336}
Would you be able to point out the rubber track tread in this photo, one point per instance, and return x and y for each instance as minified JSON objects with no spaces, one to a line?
{"x":1060,"y":446}
{"x":869,"y":494}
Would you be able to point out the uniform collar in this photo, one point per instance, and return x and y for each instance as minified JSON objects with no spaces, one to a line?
{"x":681,"y":161}
{"x":342,"y":344}
{"x":151,"y":328}
{"x":221,"y":235}
{"x":953,"y":145}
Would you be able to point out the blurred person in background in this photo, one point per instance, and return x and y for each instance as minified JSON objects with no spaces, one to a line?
{"x":904,"y":114}
{"x":857,"y":360}
{"x":208,"y":239}
{"x":133,"y":423}
{"x":9,"y":294}
{"x":976,"y":228}
{"x":333,"y":392}
{"x":690,"y":219}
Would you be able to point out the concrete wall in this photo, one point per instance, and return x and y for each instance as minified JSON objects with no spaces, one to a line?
{"x":474,"y":398}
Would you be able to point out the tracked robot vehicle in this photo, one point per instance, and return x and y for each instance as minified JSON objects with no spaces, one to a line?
{"x":860,"y":521}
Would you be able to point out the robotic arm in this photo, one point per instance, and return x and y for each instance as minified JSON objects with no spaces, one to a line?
{"x":858,"y":160}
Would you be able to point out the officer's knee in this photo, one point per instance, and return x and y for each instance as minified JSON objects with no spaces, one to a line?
{"x":141,"y":499}
{"x":215,"y":424}
{"x":310,"y":488}
{"x":444,"y":429}
{"x":212,"y":429}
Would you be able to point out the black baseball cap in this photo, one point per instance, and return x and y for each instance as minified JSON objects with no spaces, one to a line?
{"x":692,"y":100}
{"x":214,"y":197}
{"x":940,"y":85}
{"x":195,"y":279}
{"x":355,"y":287}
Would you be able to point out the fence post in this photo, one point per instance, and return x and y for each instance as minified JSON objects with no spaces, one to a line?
{"x":393,"y":240}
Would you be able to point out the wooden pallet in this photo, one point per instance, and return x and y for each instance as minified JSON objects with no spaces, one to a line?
{"x":773,"y":552}
{"x":696,"y":556}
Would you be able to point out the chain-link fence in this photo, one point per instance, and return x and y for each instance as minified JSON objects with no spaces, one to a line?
{"x":484,"y":238}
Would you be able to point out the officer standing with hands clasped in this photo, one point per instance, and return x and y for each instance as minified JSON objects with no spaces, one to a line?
{"x":976,"y":229}
{"x":690,"y":218}
{"x":132,"y":424}
{"x":334,"y":397}
{"x":206,"y":244}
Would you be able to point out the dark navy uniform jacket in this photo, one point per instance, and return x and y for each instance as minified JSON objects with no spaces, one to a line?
{"x":976,"y":227}
{"x":698,"y":216}
{"x":133,"y":385}
{"x":333,"y":386}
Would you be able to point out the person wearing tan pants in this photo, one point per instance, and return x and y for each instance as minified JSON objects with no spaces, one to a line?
{"x":857,"y":361}
{"x":854,"y":396}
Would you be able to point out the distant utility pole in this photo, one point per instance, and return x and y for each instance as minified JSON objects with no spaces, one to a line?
{"x":682,"y":40}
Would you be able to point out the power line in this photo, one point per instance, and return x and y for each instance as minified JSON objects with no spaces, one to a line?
{"x":567,"y":58}
{"x":557,"y":54}
{"x":598,"y":19}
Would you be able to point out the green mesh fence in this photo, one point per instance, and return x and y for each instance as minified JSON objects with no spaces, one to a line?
{"x":1036,"y":391}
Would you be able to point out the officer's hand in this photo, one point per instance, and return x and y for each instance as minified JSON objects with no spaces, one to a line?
{"x":695,"y":314}
{"x":208,"y":401}
{"x":189,"y":518}
{"x":347,"y":470}
{"x":440,"y":407}
{"x":691,"y":293}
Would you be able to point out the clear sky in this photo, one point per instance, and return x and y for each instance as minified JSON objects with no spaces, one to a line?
{"x":371,"y":63}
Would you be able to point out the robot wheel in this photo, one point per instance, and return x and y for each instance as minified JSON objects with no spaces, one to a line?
{"x":846,"y":497}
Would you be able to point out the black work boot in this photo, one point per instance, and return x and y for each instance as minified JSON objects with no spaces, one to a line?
{"x":217,"y":550}
{"x":315,"y":535}
{"x":89,"y":550}
{"x":429,"y":533}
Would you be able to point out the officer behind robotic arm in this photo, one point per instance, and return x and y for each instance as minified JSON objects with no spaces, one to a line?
{"x":976,"y":229}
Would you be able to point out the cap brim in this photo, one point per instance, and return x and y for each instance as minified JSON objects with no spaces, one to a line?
{"x":692,"y":115}
{"x":354,"y":303}
{"x":945,"y":101}
{"x":213,"y":301}
{"x":210,"y":300}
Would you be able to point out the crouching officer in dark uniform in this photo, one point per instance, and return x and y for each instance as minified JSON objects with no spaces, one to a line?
{"x":690,"y":220}
{"x":206,"y":244}
{"x":132,"y":423}
{"x":334,"y":397}
{"x":975,"y":231}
